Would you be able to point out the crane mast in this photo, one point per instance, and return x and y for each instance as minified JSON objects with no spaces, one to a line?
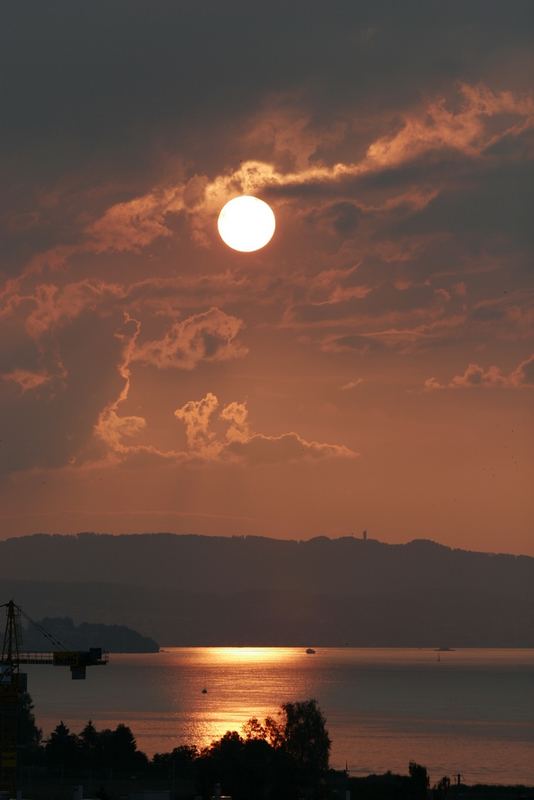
{"x":12,"y":635}
{"x":13,"y":683}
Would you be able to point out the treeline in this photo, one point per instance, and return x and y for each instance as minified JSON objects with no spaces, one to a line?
{"x":283,"y":757}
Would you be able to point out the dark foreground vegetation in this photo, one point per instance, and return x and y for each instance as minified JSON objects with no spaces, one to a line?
{"x":285,"y":757}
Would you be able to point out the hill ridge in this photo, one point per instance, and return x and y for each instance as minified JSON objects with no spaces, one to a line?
{"x":194,"y":589}
{"x":77,"y":535}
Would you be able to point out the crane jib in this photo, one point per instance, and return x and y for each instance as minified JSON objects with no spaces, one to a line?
{"x":13,"y":683}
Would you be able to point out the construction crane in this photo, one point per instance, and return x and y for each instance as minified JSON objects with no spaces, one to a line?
{"x":13,"y":683}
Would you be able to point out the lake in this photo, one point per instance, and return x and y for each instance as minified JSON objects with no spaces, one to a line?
{"x":467,"y":711}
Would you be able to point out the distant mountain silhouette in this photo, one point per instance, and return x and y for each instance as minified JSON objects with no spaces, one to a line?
{"x":251,"y":590}
{"x":112,"y":638}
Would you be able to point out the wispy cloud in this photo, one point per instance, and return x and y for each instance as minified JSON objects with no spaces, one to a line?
{"x":26,"y":379}
{"x":209,"y":336}
{"x":492,"y":377}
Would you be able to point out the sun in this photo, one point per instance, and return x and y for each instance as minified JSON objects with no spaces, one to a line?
{"x":246,"y":223}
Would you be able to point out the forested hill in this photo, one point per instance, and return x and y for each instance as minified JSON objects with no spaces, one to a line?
{"x":252,"y":590}
{"x":112,"y":638}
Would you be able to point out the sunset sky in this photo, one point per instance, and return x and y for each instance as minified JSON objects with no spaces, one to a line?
{"x":371,"y":367}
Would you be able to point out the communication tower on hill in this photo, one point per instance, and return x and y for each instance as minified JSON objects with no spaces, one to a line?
{"x":13,"y":684}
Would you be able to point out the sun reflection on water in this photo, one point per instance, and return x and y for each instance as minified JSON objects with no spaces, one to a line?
{"x":232,"y":684}
{"x":251,"y":655}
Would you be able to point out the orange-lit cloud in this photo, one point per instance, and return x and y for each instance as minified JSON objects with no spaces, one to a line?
{"x":111,"y":427}
{"x":236,"y":414}
{"x":209,"y":336}
{"x":491,"y":377}
{"x":239,"y":444}
{"x":52,"y":305}
{"x":467,"y":129}
{"x":351,"y":385}
{"x":288,"y":447}
{"x":27,"y":379}
{"x":196,"y":416}
{"x":134,"y":224}
{"x":481,"y":119}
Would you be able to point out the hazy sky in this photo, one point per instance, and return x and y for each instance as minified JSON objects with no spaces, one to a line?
{"x":371,"y":368}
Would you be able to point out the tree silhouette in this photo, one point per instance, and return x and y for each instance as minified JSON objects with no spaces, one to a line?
{"x":441,"y":789}
{"x":301,"y":747}
{"x":245,"y":768}
{"x":62,"y":748}
{"x":419,"y":779}
{"x":29,"y":734}
{"x":305,"y":738}
{"x":89,"y":743}
{"x":113,"y":750}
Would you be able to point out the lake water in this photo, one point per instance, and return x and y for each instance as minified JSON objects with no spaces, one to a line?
{"x":471,"y":711}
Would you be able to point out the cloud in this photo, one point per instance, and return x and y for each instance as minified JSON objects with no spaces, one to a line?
{"x":371,"y":297}
{"x":209,"y":336}
{"x":351,"y":343}
{"x":196,"y":416}
{"x":111,"y":428}
{"x":523,"y":375}
{"x":167,"y":295}
{"x":47,"y":306}
{"x":288,"y":447}
{"x":52,"y":424}
{"x":347,"y":387}
{"x":52,"y":305}
{"x":134,"y":224}
{"x":491,"y":377}
{"x":116,"y":431}
{"x":239,"y":444}
{"x":26,"y":379}
{"x":126,"y":227}
{"x":468,"y":129}
{"x":470,"y":122}
{"x":237,"y":415}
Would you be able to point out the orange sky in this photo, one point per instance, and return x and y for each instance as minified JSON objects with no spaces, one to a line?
{"x":372,"y":367}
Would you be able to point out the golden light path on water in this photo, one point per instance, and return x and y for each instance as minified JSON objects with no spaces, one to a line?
{"x":232,"y":698}
{"x":470,"y":711}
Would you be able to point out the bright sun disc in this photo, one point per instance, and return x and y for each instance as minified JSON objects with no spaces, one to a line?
{"x":246,"y":223}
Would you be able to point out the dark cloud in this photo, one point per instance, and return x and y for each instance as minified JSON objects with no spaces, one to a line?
{"x":341,"y":218}
{"x":116,"y":82}
{"x":352,"y":342}
{"x":53,"y":423}
{"x":495,"y":202}
{"x":374,"y":304}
